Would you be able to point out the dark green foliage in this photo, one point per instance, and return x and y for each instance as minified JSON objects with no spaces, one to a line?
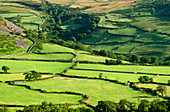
{"x":32,"y":75}
{"x":100,"y":75}
{"x":168,"y":81}
{"x":5,"y":109}
{"x":106,"y":106}
{"x":126,"y":106}
{"x":45,"y":107}
{"x":145,"y":79}
{"x":144,"y":106}
{"x":161,"y":89}
{"x":18,"y":33}
{"x":5,"y":69}
{"x":7,"y":43}
{"x":134,"y":58}
{"x":158,"y":106}
{"x":113,"y":62}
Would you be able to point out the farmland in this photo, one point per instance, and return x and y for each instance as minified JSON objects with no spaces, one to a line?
{"x":47,"y":67}
{"x":84,"y":55}
{"x":92,"y":88}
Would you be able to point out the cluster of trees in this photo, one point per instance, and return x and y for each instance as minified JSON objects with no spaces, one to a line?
{"x":104,"y":106}
{"x":7,"y":43}
{"x":50,"y":107}
{"x":38,"y":37}
{"x":33,"y":75}
{"x":113,"y":62}
{"x":60,"y":15}
{"x":127,"y":106}
{"x":143,"y":79}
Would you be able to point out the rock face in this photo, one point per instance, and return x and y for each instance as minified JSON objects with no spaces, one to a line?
{"x":7,"y":27}
{"x":21,"y":43}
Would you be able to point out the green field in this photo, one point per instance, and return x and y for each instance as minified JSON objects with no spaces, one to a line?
{"x":121,"y":77}
{"x":127,"y":68}
{"x":106,"y":46}
{"x":19,"y":76}
{"x":125,"y":49}
{"x":125,"y":31}
{"x":97,"y":90}
{"x":22,"y":66}
{"x":153,"y":86}
{"x":109,"y":20}
{"x":22,"y":96}
{"x":161,"y":24}
{"x":152,"y":37}
{"x":152,"y":47}
{"x":10,"y":15}
{"x":85,"y":57}
{"x":96,"y":36}
{"x":46,"y":56}
{"x":55,"y":48}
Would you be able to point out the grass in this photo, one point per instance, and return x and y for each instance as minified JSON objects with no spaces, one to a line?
{"x":125,"y":49}
{"x":23,"y":96}
{"x":151,"y":47}
{"x":85,"y":57}
{"x":18,"y":49}
{"x":70,"y":26}
{"x":162,"y":79}
{"x":96,"y":36}
{"x":122,"y":77}
{"x":153,"y":86}
{"x":150,"y":37}
{"x":97,"y":90}
{"x":46,"y":56}
{"x":9,"y":15}
{"x":125,"y":31}
{"x":128,"y":68}
{"x":19,"y":76}
{"x":106,"y":47}
{"x":57,"y":48}
{"x":161,"y":24}
{"x":22,"y":66}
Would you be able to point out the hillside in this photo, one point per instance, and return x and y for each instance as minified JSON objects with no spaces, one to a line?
{"x":106,"y":55}
{"x":7,"y":28}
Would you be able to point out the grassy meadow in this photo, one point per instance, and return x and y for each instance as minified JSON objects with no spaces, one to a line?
{"x":22,"y":96}
{"x":18,"y":76}
{"x":47,"y":67}
{"x":161,"y":24}
{"x":46,"y":56}
{"x":153,"y":86}
{"x":127,"y":68}
{"x":97,"y":90}
{"x":121,"y":77}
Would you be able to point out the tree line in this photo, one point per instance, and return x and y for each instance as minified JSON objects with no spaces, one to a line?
{"x":102,"y":106}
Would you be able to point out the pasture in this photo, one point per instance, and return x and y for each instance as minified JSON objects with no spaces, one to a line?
{"x":94,"y":58}
{"x":22,"y":96}
{"x":46,"y":56}
{"x":47,"y":67}
{"x":17,"y":76}
{"x":121,"y":77}
{"x":127,"y":68}
{"x":156,"y":24}
{"x":125,"y":31}
{"x":97,"y":90}
{"x":153,"y":86}
{"x":152,"y":47}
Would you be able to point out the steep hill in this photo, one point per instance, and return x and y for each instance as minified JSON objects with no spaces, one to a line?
{"x":7,"y":28}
